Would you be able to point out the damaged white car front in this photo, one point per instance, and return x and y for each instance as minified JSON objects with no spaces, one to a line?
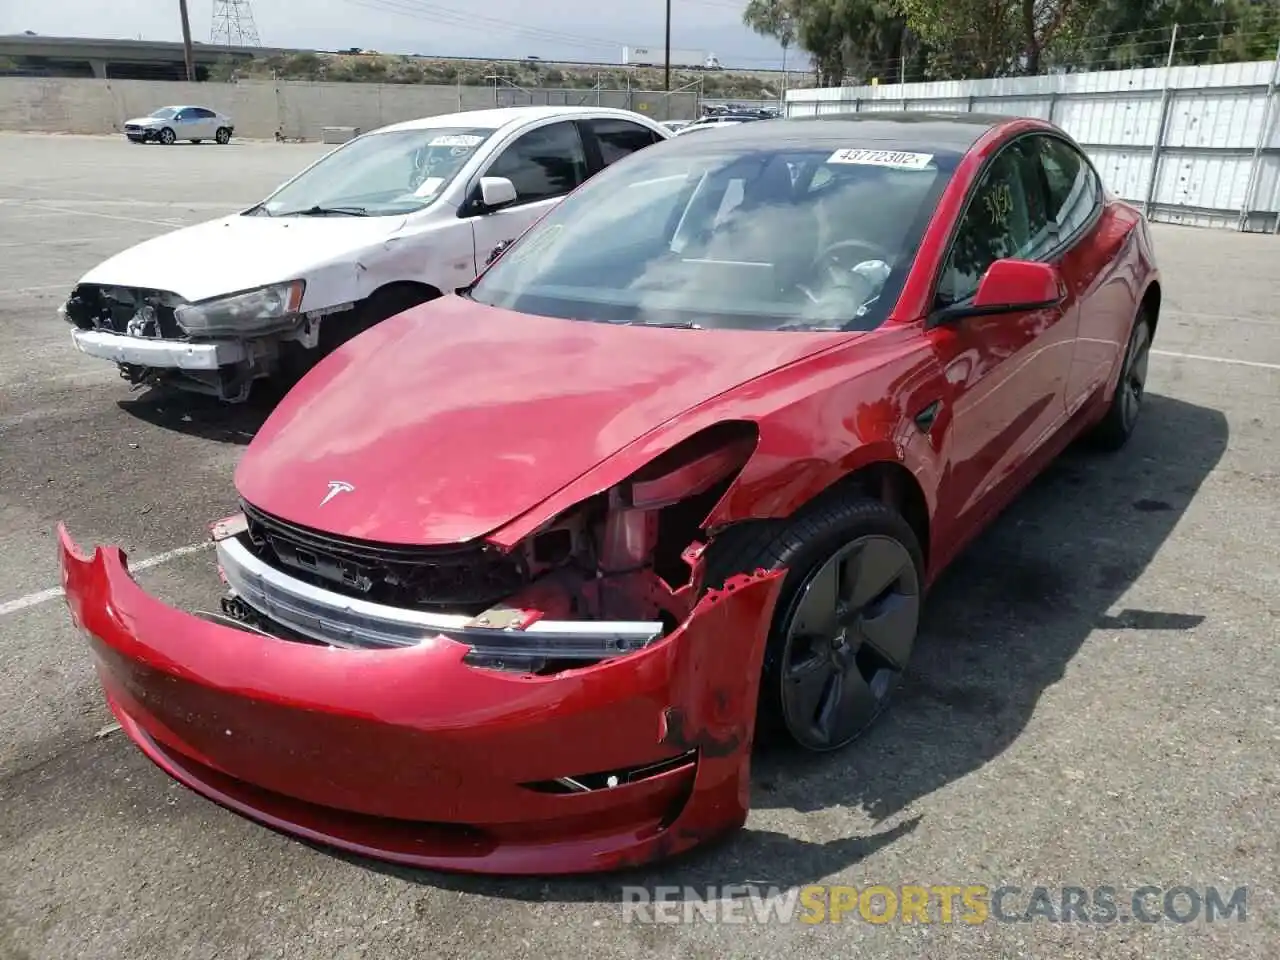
{"x":367,"y":231}
{"x":217,"y":346}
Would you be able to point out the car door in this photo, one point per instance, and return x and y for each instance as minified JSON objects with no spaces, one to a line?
{"x":1088,"y":246}
{"x":186,"y":126}
{"x":544,"y":164}
{"x":207,"y":123}
{"x":612,"y":138}
{"x":1007,"y":373}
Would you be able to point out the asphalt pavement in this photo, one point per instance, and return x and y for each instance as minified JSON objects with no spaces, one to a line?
{"x":1093,"y":703}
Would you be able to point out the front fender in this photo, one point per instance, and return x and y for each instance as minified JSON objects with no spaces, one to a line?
{"x":819,"y":420}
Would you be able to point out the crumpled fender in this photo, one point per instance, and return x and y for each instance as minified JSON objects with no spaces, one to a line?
{"x":722,"y":693}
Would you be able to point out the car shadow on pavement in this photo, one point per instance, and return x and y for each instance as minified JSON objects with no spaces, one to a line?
{"x":201,"y":416}
{"x":1000,"y":627}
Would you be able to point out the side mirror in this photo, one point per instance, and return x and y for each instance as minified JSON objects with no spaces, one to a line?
{"x":497,"y":192}
{"x":1009,"y":286}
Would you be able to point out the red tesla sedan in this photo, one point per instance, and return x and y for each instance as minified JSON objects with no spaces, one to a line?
{"x":516,"y":573}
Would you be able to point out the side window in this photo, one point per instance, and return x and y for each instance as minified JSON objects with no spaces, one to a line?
{"x":1005,"y":219}
{"x":184,"y":114}
{"x":619,"y":138}
{"x":544,"y":163}
{"x":1073,"y":188}
{"x":203,"y":114}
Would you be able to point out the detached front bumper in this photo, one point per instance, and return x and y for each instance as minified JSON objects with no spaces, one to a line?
{"x":412,"y":755}
{"x":160,"y":354}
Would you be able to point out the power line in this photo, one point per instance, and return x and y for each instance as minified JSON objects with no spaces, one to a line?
{"x":418,"y":10}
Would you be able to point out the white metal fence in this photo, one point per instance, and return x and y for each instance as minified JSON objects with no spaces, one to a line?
{"x":1196,"y":145}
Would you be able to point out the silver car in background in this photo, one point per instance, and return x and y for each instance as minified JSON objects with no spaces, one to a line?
{"x":170,"y":124}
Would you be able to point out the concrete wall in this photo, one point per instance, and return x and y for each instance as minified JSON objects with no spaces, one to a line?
{"x":260,"y":108}
{"x":1196,"y":145}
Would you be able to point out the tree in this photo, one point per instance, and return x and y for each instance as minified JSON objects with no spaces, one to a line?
{"x":1119,"y":34}
{"x":992,"y":38}
{"x":842,"y":36}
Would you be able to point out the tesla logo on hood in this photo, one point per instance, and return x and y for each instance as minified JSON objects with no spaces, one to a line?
{"x":336,"y":487}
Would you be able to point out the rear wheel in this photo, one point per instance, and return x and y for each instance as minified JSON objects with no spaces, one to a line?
{"x":167,"y":136}
{"x":846,"y":622}
{"x":1114,"y":430}
{"x":223,"y":135}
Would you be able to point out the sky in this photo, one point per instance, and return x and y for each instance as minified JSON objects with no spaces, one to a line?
{"x":576,"y":30}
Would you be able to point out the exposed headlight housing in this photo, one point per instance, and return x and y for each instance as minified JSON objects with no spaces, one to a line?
{"x":264,"y":310}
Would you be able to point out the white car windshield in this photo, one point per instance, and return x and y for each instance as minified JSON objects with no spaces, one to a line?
{"x":379,"y":174}
{"x":164,"y":113}
{"x":805,"y":237}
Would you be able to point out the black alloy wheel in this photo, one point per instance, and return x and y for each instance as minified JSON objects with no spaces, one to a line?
{"x":850,"y":633}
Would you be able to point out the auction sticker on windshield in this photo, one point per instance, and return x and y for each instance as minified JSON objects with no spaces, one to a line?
{"x":457,"y":140}
{"x":883,"y":158}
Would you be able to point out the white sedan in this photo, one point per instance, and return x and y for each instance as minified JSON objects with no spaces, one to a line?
{"x":386,"y":221}
{"x":171,"y":124}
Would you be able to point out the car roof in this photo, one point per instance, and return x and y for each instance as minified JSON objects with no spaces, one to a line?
{"x":495,"y":118}
{"x":908,"y":130}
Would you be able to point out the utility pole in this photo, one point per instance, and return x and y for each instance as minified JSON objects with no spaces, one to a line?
{"x":187,"y":55}
{"x":667,"y":80}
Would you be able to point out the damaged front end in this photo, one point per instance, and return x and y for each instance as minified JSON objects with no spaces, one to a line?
{"x":607,"y":577}
{"x":216,"y":347}
{"x":583,"y":701}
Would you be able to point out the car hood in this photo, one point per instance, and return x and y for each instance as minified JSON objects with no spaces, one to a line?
{"x":239,"y":253}
{"x":147,"y":121}
{"x":444,"y":423}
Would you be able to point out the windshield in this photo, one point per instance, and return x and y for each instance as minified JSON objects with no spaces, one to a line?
{"x":803,"y":238}
{"x":380,"y":174}
{"x":164,"y":113}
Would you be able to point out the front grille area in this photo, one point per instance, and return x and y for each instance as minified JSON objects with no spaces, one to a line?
{"x":97,"y":307}
{"x":464,"y":578}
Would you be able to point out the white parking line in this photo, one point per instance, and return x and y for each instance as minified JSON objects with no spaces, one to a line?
{"x":19,"y":291}
{"x":1189,"y":315}
{"x":1231,"y":360}
{"x":41,"y":205}
{"x":71,"y":241}
{"x":44,"y":596}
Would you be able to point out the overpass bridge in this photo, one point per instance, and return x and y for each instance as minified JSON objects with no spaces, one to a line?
{"x":34,"y":55}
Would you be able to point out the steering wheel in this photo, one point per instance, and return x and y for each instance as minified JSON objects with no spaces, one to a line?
{"x":873,"y":251}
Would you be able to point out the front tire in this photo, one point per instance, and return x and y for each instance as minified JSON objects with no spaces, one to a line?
{"x":167,"y":137}
{"x":846,"y":621}
{"x":1116,"y":427}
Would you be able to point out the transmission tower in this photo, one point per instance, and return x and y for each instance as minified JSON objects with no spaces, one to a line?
{"x":233,"y":24}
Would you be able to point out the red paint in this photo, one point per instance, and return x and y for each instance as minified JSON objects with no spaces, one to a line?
{"x":1011,"y":283}
{"x":335,"y":745}
{"x":475,"y":415}
{"x":455,"y":421}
